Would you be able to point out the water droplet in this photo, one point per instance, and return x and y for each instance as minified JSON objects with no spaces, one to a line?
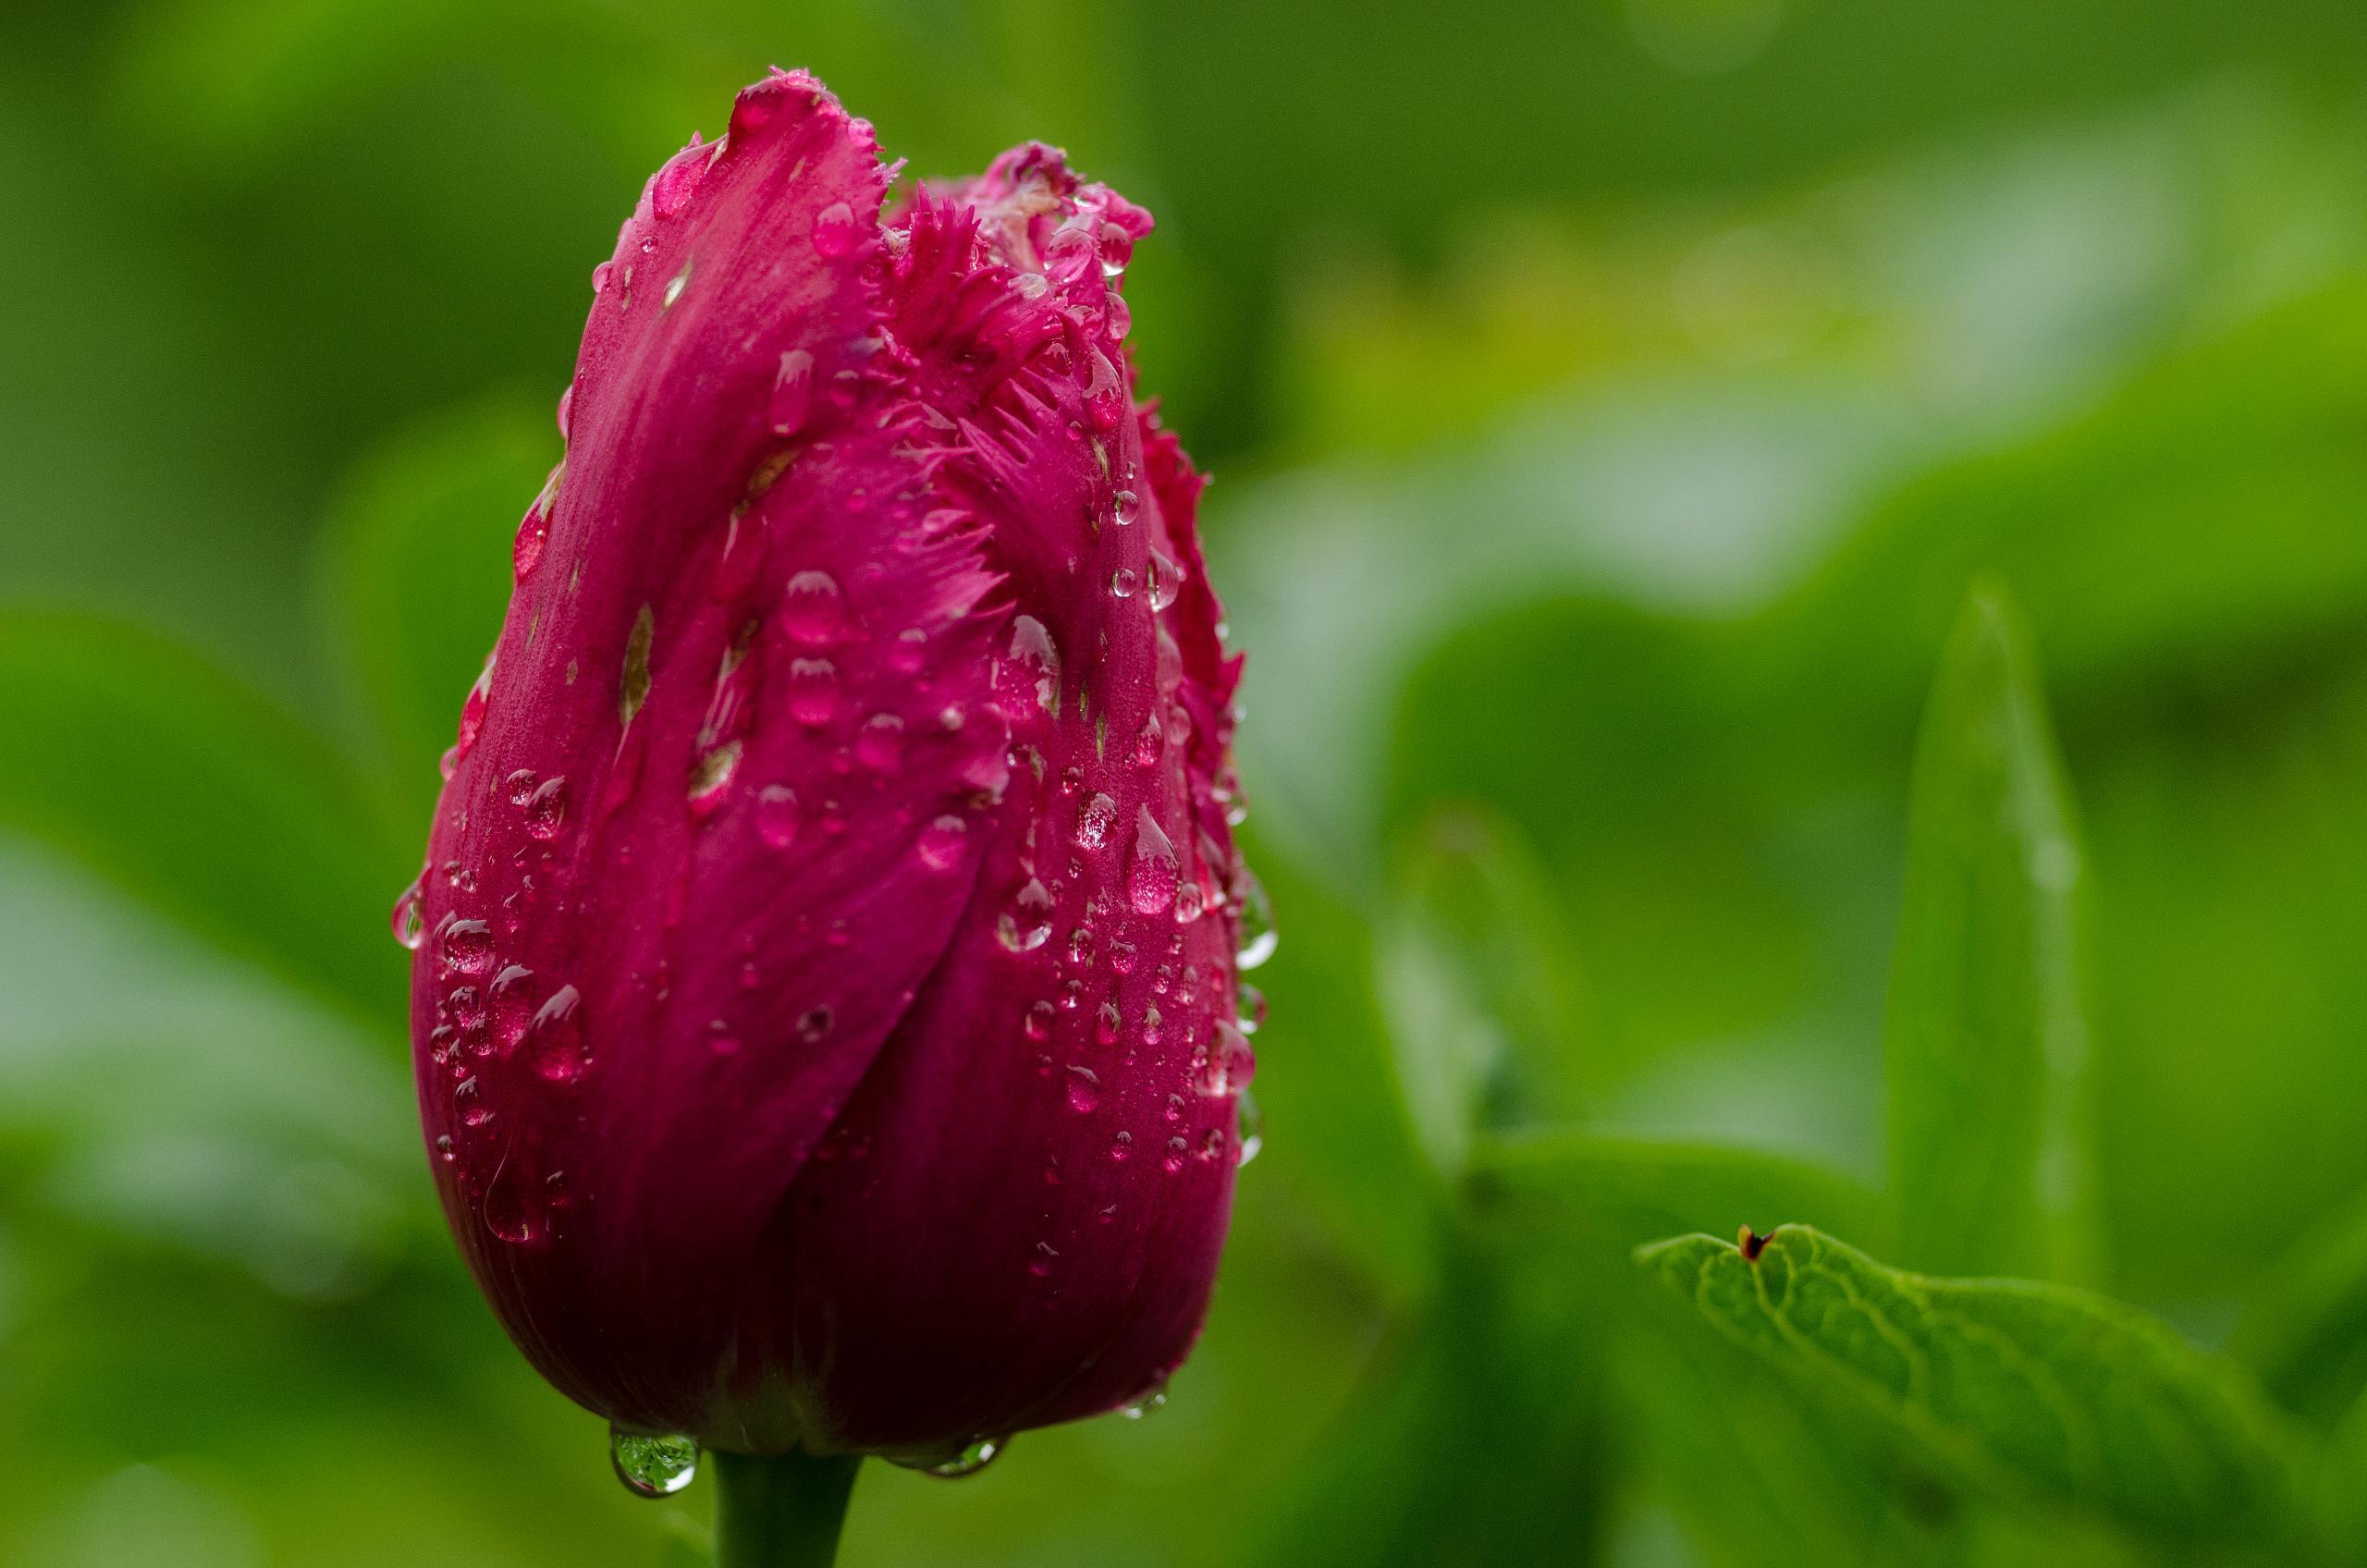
{"x":671,"y":189}
{"x":468,"y":1098}
{"x":904,"y":655}
{"x":777,"y":815}
{"x":1151,"y":879}
{"x":546,"y":808}
{"x":408,"y":923}
{"x":1252,"y":1009}
{"x":1125,"y":508}
{"x":1106,"y":1022}
{"x":1253,"y":1129}
{"x":969,"y":1461}
{"x":1024,"y":926}
{"x":1080,"y":948}
{"x":675,"y":285}
{"x":565,"y":407}
{"x":1093,"y":821}
{"x":1166,"y":581}
{"x":812,"y":610}
{"x":473,"y":712}
{"x":812,"y":690}
{"x":793,"y":396}
{"x":1150,"y":1402}
{"x":1257,"y":937}
{"x":940,"y":842}
{"x":1122,"y":956}
{"x":532,"y":530}
{"x":1122,"y":583}
{"x":816,"y":1023}
{"x":1178,"y":1147}
{"x":1151,"y":1022}
{"x":1150,"y":742}
{"x":513,"y":1007}
{"x":1189,"y":902}
{"x":467,"y":945}
{"x":1037,"y":660}
{"x":653,"y":1465}
{"x":1085,"y":1088}
{"x":834,"y":229}
{"x":558,"y":1035}
{"x":600,"y":275}
{"x":1039,"y":1022}
{"x":1118,"y":317}
{"x":1105,"y":391}
{"x":1121,"y":1147}
{"x":879,"y":744}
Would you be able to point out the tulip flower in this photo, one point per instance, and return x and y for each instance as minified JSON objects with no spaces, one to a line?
{"x":826,"y":996}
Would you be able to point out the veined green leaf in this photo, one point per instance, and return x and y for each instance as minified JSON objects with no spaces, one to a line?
{"x":1986,"y":1040}
{"x":2027,"y":1391}
{"x":177,"y":781}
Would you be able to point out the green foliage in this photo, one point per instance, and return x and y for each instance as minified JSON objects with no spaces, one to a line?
{"x":2019,"y":1391}
{"x":1987,"y":1041}
{"x":173,"y":778}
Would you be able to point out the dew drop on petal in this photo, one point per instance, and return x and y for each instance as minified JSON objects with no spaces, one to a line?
{"x":532,"y":530}
{"x":793,"y":396}
{"x":812,"y":690}
{"x":942,"y":841}
{"x":653,"y":1465}
{"x":834,"y":229}
{"x":546,"y":808}
{"x":1122,"y":583}
{"x":1151,"y":875}
{"x":1039,"y":1022}
{"x":879,"y":744}
{"x":1252,"y":1135}
{"x":777,"y":815}
{"x":557,"y":1037}
{"x":812,"y":609}
{"x":467,"y":945}
{"x":1027,"y":922}
{"x":1085,"y":1088}
{"x":512,"y":1004}
{"x":1094,"y":821}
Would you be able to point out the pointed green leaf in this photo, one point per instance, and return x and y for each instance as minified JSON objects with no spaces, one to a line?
{"x":1986,"y":1042}
{"x":174,"y":779}
{"x":417,"y":576}
{"x":1476,"y":977}
{"x":2029,"y":1392}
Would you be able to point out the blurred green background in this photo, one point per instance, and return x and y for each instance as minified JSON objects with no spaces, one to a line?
{"x":1611,"y":402}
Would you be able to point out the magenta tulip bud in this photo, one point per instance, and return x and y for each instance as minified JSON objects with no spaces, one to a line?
{"x":826,"y":998}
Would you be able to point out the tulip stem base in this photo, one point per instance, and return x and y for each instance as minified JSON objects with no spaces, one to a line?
{"x":781,"y":1510}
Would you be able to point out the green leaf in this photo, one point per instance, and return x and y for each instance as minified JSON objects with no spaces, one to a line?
{"x":416,"y":575}
{"x":1475,"y":978}
{"x":1476,"y":1438}
{"x":1986,"y":1040}
{"x":1342,"y":1144}
{"x":2028,"y":1392}
{"x":181,"y":784}
{"x":1758,"y":1480}
{"x":2304,"y":1332}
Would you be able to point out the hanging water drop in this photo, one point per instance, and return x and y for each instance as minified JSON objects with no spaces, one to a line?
{"x":1150,"y":1402}
{"x":408,"y":923}
{"x":812,"y":690}
{"x":1258,"y":938}
{"x":559,"y":1050}
{"x":546,"y":808}
{"x":969,"y":1461}
{"x":1166,"y":581}
{"x":651,"y":1463}
{"x":1253,"y":1129}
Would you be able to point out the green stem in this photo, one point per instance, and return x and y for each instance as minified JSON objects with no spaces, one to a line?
{"x":780,"y":1512}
